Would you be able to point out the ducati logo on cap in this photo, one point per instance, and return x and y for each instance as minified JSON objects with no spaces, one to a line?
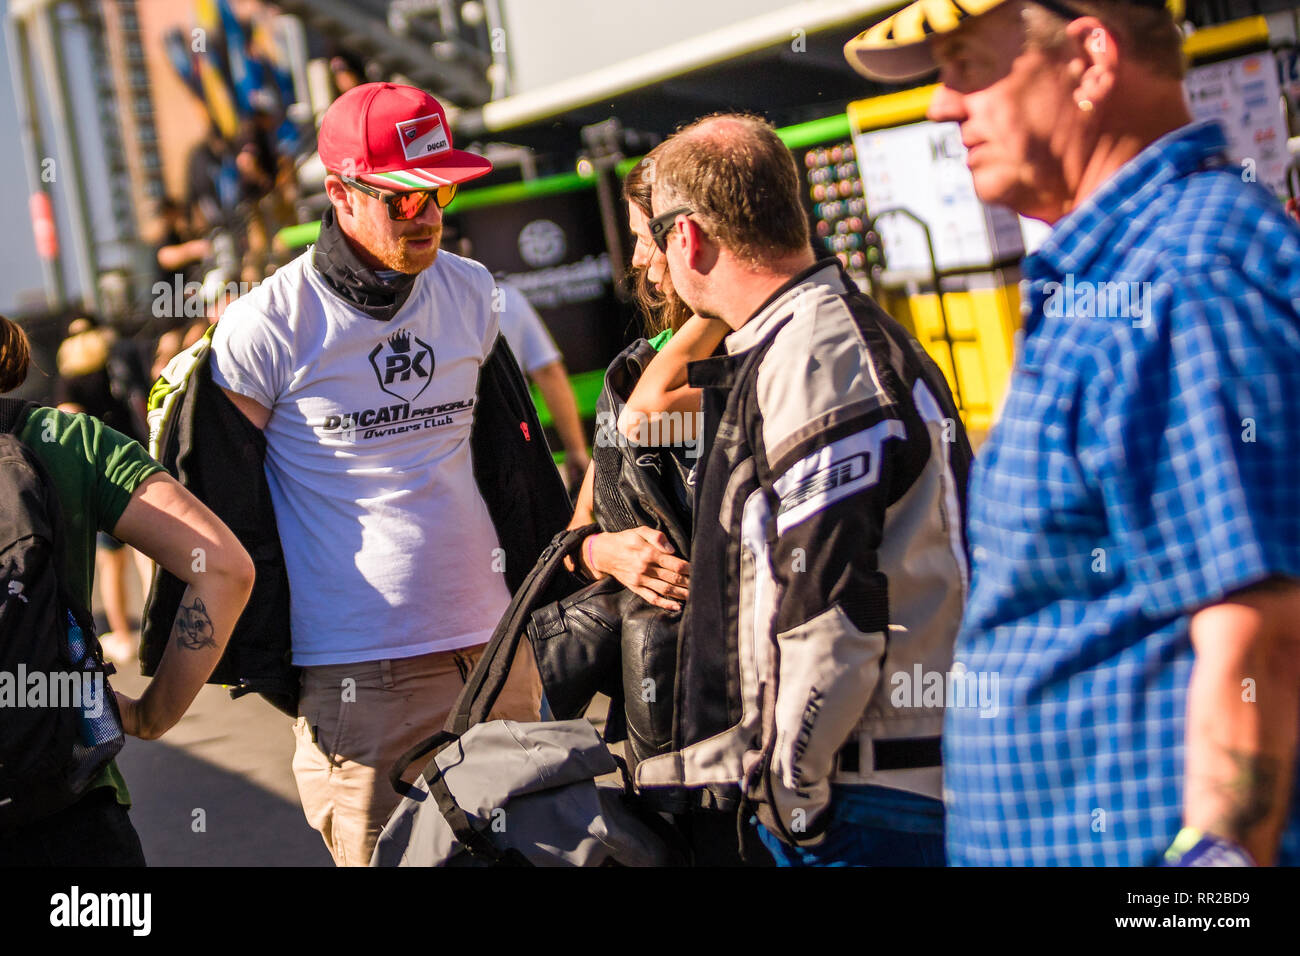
{"x":423,"y":137}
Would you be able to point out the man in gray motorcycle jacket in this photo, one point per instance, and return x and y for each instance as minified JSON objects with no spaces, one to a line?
{"x":828,"y":561}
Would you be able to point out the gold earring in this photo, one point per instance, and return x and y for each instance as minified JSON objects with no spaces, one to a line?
{"x":1085,"y":105}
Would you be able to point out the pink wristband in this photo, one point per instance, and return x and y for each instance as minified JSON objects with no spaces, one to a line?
{"x":587,"y":546}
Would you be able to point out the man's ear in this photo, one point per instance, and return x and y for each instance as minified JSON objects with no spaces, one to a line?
{"x":693,"y":243}
{"x":1094,"y":59}
{"x":338,"y":194}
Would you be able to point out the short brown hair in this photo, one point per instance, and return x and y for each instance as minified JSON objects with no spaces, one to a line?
{"x":15,"y":355}
{"x":740,"y":180}
{"x":663,"y":310}
{"x":1151,"y":30}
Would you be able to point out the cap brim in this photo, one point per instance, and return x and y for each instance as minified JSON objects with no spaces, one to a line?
{"x":893,"y":65}
{"x":898,"y":48}
{"x":454,"y":166}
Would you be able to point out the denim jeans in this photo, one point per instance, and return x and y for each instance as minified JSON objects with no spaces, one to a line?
{"x":870,"y":826}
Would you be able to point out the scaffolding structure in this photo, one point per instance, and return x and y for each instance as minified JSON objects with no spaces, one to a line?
{"x":124,"y":135}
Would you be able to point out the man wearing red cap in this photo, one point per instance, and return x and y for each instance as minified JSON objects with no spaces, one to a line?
{"x":360,"y":361}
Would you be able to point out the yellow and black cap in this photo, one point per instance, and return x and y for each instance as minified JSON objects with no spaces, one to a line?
{"x":898,"y":47}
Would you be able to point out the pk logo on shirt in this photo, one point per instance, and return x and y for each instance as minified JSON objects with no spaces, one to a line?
{"x":401,"y":371}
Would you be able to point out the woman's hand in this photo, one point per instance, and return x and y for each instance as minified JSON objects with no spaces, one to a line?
{"x":642,"y":560}
{"x":132,"y":719}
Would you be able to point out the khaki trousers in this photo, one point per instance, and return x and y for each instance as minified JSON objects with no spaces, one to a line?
{"x":355,"y":720}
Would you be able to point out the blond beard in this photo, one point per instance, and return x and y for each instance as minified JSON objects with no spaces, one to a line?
{"x":394,"y":252}
{"x":397,"y":255}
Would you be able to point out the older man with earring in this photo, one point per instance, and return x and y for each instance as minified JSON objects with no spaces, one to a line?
{"x":1134,"y":537}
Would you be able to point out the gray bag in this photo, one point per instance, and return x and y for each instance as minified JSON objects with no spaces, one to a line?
{"x":503,"y":793}
{"x":519,"y":794}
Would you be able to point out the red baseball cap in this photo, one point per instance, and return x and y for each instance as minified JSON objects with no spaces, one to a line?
{"x":396,"y":137}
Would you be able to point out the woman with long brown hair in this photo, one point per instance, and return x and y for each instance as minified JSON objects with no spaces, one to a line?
{"x":662,"y":410}
{"x":642,"y":559}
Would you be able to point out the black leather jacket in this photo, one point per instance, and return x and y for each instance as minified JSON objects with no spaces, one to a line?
{"x":602,"y":637}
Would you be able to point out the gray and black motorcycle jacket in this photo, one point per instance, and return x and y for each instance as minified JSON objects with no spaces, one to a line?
{"x":828,"y":558}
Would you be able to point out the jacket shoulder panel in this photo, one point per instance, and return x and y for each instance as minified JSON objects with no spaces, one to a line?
{"x":818,"y":371}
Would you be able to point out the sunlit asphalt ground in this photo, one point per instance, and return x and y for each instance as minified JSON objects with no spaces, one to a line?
{"x":230,"y":759}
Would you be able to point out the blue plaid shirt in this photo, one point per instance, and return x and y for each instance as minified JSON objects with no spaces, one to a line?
{"x":1146,"y":464}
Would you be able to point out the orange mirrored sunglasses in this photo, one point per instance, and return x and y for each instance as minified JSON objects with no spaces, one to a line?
{"x":409,"y":204}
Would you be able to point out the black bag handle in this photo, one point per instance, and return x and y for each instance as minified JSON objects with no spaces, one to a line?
{"x":427,"y":745}
{"x":478,"y":843}
{"x":488,"y":678}
{"x":471,"y":838}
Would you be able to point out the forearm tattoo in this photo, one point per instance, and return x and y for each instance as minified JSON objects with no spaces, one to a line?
{"x":1250,"y":795}
{"x":194,"y":627}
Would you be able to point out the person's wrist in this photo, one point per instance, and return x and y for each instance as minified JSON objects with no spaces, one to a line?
{"x":1192,"y":847}
{"x":146,"y":722}
{"x":589,"y":548}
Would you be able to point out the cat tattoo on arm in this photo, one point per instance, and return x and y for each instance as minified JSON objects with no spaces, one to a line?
{"x":194,"y":627}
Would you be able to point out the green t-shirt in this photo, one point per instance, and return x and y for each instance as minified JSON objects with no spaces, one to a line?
{"x":660,"y":340}
{"x":95,"y":470}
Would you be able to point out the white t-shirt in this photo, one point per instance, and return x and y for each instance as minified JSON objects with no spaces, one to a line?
{"x":524,"y":330}
{"x":388,"y":544}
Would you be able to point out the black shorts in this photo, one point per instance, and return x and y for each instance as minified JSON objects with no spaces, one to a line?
{"x":94,"y":831}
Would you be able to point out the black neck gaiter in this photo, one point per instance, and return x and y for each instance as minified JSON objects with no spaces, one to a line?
{"x":354,"y":281}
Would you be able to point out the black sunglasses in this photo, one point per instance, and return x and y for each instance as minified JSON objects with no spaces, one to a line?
{"x":405,"y":205}
{"x":662,"y":224}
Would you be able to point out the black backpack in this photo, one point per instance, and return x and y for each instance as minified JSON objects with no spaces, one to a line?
{"x":59,"y":722}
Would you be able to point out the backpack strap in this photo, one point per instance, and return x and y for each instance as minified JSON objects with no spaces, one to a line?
{"x":478,"y":843}
{"x":489,"y":676}
{"x":425,"y":746}
{"x":14,"y":413}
